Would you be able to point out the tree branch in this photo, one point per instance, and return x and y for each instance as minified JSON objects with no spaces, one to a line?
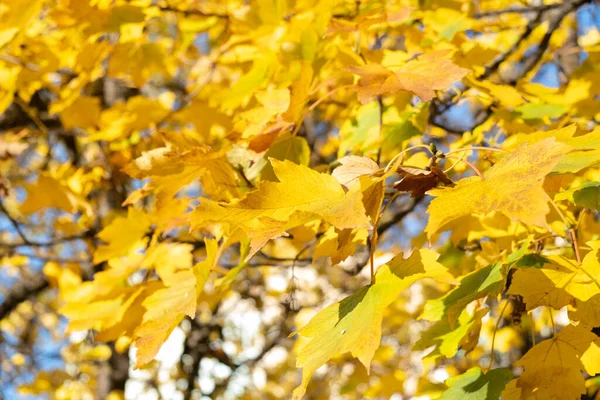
{"x":21,"y":291}
{"x":517,"y":10}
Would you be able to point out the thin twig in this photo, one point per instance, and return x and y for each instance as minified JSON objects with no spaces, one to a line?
{"x":493,"y":67}
{"x":476,"y":148}
{"x":193,"y":12}
{"x":473,"y":167}
{"x":494,"y":335}
{"x":16,"y":225}
{"x":380,"y":104}
{"x":518,"y":10}
{"x":575,"y":244}
{"x":552,"y":320}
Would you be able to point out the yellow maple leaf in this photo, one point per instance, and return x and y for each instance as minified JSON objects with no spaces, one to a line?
{"x":354,"y":324}
{"x":122,"y":235}
{"x":560,"y":283}
{"x":274,"y":207}
{"x":552,"y":368}
{"x":339,"y":245}
{"x":352,"y":168}
{"x":166,"y":307}
{"x":15,"y":16}
{"x":422,"y":76}
{"x":170,"y":170}
{"x":512,"y":186}
{"x":48,"y":191}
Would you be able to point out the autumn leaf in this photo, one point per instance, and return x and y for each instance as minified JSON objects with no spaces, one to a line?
{"x":552,"y":368}
{"x":522,"y":199}
{"x":476,"y":285}
{"x":275,"y":207}
{"x":166,"y":308}
{"x":47,"y":192}
{"x":556,"y":284}
{"x":354,"y":324}
{"x":417,"y":181}
{"x":447,"y":336}
{"x":475,"y":384}
{"x":122,"y":235}
{"x":170,"y":170}
{"x":422,"y":76}
{"x":352,"y":168}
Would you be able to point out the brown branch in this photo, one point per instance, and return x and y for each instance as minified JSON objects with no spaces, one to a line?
{"x":22,"y":291}
{"x":493,"y":67}
{"x":517,"y":10}
{"x":444,"y":102}
{"x":193,"y":12}
{"x":532,"y":61}
{"x":575,"y":245}
{"x":396,"y":218}
{"x":15,"y":225}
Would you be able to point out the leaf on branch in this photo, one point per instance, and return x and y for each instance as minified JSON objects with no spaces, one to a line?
{"x":422,"y":76}
{"x":352,"y":168}
{"x":122,"y":235}
{"x":584,"y":152}
{"x":559,"y":283}
{"x":552,"y":368}
{"x":301,"y":195}
{"x":48,"y":191}
{"x":512,"y":186}
{"x":418,"y":181}
{"x":477,"y":385}
{"x":170,"y":170}
{"x":354,"y":324}
{"x":586,"y":195}
{"x":447,"y":336}
{"x":476,"y":285}
{"x":165,"y":308}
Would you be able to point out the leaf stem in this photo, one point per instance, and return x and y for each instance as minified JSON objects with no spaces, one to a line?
{"x":552,"y":321}
{"x":393,"y":160}
{"x":380,"y":104}
{"x":560,"y":214}
{"x":473,"y":167}
{"x":575,"y":245}
{"x":456,"y":163}
{"x":375,"y":237}
{"x":332,"y":91}
{"x":477,"y":148}
{"x":494,"y":335}
{"x":572,"y":232}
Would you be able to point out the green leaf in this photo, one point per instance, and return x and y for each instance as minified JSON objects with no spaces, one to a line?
{"x":362,"y":131}
{"x":475,"y":385}
{"x":575,"y":161}
{"x":287,"y":147}
{"x":478,"y":284}
{"x":354,"y":324}
{"x":538,"y":111}
{"x":403,"y":126}
{"x":588,"y":196}
{"x":447,"y":337}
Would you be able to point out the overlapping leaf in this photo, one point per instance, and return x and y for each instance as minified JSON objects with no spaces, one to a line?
{"x":512,"y":186}
{"x":422,"y":76}
{"x":275,"y":207}
{"x":354,"y":324}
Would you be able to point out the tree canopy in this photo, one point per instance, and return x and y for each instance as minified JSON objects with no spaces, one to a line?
{"x":306,"y":199}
